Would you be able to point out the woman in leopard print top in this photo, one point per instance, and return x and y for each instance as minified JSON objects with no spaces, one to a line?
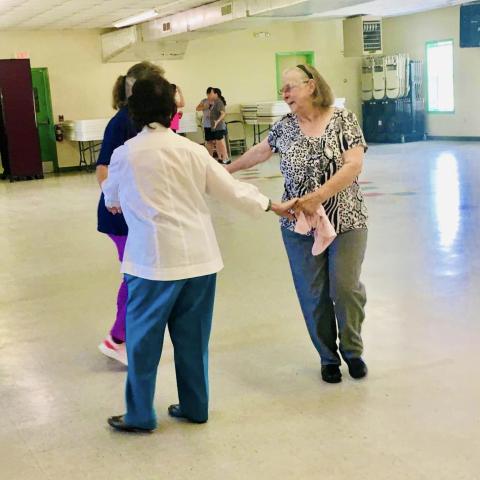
{"x":321,"y":151}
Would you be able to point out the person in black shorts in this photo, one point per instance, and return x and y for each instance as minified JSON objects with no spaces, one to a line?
{"x":218,"y":126}
{"x":204,"y":106}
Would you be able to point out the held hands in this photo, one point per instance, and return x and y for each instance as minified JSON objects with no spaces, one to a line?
{"x":308,"y":204}
{"x":284,"y":209}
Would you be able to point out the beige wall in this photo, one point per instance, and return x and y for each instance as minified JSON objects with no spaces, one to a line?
{"x":244,"y":66}
{"x":80,"y":83}
{"x":325,"y":38}
{"x":237,"y":62}
{"x":410,"y":33}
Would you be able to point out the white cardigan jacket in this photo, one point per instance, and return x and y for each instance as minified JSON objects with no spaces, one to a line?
{"x":159,"y":179}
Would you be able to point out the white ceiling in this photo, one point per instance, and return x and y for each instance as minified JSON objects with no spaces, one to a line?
{"x":386,"y":8}
{"x":55,"y":14}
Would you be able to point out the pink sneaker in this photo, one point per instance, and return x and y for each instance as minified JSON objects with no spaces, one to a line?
{"x":117,"y":351}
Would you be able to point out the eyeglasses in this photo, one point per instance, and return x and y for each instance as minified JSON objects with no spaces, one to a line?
{"x":288,"y":87}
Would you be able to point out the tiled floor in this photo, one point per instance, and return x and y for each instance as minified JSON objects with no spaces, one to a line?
{"x":417,"y":415}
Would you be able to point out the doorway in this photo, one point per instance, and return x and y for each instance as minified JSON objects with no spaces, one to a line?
{"x":3,"y":144}
{"x":44,"y":114}
{"x":19,"y":143}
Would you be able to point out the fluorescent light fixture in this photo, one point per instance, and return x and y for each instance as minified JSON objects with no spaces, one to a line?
{"x":134,"y":19}
{"x":167,"y":8}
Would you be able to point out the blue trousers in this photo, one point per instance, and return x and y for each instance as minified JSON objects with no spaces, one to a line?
{"x":186,"y":306}
{"x":330,"y":292}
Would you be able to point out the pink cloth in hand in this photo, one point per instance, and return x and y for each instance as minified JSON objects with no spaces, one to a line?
{"x":324,"y":233}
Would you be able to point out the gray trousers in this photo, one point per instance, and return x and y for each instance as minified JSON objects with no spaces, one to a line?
{"x":331,"y":295}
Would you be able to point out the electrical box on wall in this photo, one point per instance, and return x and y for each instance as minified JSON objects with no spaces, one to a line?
{"x":470,"y":25}
{"x":362,"y":35}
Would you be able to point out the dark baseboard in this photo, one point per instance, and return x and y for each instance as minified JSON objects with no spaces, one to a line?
{"x":74,"y":169}
{"x":453,"y":138}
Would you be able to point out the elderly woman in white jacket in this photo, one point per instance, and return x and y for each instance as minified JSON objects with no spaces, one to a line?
{"x":159,"y":181}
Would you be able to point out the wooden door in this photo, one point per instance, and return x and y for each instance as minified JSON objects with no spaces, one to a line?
{"x":19,"y":119}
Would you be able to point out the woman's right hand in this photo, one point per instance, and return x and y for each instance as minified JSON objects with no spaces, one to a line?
{"x":114,"y":210}
{"x":284,"y":209}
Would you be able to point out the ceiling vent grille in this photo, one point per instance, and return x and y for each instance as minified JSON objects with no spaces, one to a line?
{"x":372,"y":36}
{"x":226,"y":9}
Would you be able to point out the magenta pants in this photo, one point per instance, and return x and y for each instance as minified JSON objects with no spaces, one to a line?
{"x":118,"y":328}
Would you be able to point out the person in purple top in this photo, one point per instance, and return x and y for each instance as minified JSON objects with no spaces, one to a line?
{"x":119,"y":129}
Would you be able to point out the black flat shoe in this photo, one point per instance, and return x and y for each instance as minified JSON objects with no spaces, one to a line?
{"x":331,"y":374}
{"x":118,"y":423}
{"x":357,"y":368}
{"x":176,"y":412}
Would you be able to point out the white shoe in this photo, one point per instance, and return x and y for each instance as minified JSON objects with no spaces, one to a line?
{"x":117,"y":351}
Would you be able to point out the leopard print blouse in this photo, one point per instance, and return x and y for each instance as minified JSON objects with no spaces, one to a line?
{"x":307,"y":163}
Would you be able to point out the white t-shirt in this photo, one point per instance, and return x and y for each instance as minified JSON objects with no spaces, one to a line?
{"x":160,"y":179}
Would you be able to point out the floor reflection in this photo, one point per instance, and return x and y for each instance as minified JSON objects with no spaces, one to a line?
{"x":446,"y":188}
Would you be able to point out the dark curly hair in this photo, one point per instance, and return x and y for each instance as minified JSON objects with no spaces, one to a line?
{"x":152,"y":101}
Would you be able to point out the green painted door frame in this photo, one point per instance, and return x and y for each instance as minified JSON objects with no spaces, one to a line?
{"x":307,"y":57}
{"x":43,"y":109}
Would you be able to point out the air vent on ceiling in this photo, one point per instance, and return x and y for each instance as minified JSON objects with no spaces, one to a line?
{"x":166,"y":27}
{"x":227,"y":9}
